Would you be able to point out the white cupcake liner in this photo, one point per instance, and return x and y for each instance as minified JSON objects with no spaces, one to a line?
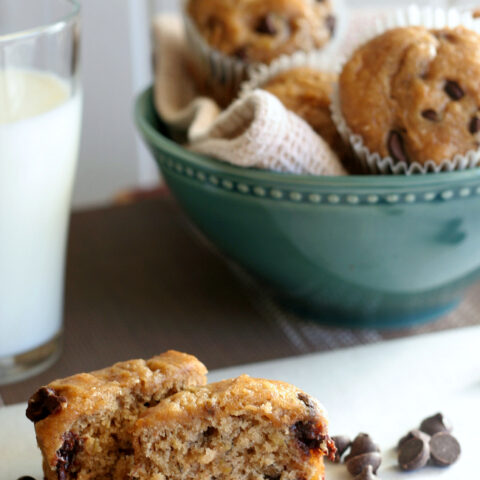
{"x":229,"y":72}
{"x":259,"y":75}
{"x":372,"y":162}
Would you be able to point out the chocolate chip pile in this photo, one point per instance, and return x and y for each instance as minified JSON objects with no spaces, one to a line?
{"x":363,"y":457}
{"x":432,"y":444}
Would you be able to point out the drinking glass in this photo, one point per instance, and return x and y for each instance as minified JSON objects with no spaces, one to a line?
{"x":40,"y":114}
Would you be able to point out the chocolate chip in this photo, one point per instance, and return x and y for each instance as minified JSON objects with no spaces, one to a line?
{"x":331,"y":23}
{"x":454,"y":90}
{"x":310,"y":438}
{"x":67,"y":453}
{"x":366,"y":474}
{"x":362,"y":443}
{"x":413,"y":434}
{"x":241,"y":53}
{"x":212,"y":23}
{"x":26,"y":477}
{"x":267,"y":25}
{"x":308,"y":435}
{"x":43,"y":403}
{"x":342,"y":443}
{"x":209,"y":431}
{"x":474,"y":126}
{"x":125,"y":451}
{"x":434,"y":424}
{"x":312,"y":408}
{"x":430,"y":114}
{"x":396,"y":147}
{"x":303,"y":397}
{"x":356,"y":464}
{"x":444,"y":449}
{"x":413,"y":454}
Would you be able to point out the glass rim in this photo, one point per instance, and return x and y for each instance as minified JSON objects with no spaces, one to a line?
{"x":52,"y":27}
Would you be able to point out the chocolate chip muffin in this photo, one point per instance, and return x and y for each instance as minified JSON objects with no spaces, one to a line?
{"x":83,"y":422}
{"x":413,"y":94}
{"x":307,"y":92}
{"x":257,"y":31}
{"x":242,"y":429}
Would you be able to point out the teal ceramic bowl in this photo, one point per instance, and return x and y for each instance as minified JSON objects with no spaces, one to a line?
{"x":365,"y":251}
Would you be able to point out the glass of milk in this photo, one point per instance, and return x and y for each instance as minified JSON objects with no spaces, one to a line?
{"x":40,"y":116}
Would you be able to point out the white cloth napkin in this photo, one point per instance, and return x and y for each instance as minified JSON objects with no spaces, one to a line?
{"x":255,"y":131}
{"x":258,"y":131}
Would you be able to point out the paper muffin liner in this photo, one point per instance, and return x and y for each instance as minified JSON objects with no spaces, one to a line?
{"x":373,"y":162}
{"x":227,"y":73}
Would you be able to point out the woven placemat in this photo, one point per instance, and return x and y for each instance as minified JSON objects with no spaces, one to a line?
{"x":310,"y":336}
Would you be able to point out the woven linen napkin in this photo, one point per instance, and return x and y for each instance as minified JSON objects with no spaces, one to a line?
{"x":255,"y":131}
{"x":176,"y":98}
{"x":258,"y":131}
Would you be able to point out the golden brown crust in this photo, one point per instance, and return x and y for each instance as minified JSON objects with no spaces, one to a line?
{"x":261,"y":30}
{"x":223,"y":425}
{"x":307,"y":92}
{"x":414,"y":95}
{"x":96,"y":396}
{"x":277,"y":401}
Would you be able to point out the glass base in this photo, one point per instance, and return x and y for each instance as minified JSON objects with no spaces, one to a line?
{"x":28,"y":364}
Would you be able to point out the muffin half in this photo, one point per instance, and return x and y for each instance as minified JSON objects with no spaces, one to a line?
{"x":83,"y":422}
{"x":244,"y":428}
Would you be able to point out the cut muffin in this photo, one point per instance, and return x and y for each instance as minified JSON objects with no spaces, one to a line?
{"x":307,"y":92}
{"x":242,"y":429}
{"x":83,"y":422}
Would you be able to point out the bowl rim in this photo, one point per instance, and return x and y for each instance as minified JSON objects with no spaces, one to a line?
{"x":144,"y":102}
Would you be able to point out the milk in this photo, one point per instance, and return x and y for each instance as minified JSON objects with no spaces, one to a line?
{"x":39,"y":136}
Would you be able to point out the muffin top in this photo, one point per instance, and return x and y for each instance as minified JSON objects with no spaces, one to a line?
{"x":413,"y":94}
{"x":307,"y":92}
{"x":258,"y":31}
{"x":278,"y":402}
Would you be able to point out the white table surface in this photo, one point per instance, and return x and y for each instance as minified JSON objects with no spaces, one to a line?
{"x":383,"y":389}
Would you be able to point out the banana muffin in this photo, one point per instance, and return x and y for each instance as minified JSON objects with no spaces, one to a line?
{"x":258,"y":31}
{"x":307,"y":92}
{"x":83,"y":422}
{"x":413,"y":94}
{"x":242,"y":429}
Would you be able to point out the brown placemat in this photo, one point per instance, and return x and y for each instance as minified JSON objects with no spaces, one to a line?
{"x":139,"y":282}
{"x":308,"y":336}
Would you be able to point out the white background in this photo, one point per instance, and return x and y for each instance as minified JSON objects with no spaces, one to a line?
{"x":116,"y":65}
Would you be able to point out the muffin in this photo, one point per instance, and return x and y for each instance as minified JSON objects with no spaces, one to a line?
{"x":413,"y":95}
{"x":307,"y":92}
{"x":243,"y":428}
{"x":226,"y":36}
{"x":258,"y":31}
{"x":83,"y":422}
